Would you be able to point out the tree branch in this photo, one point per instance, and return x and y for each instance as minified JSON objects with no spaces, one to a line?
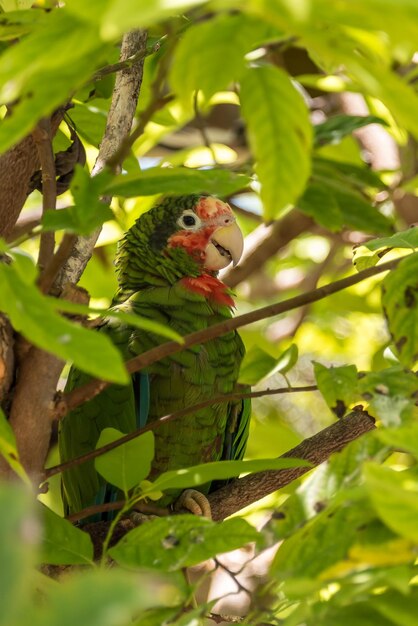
{"x":317,"y":449}
{"x":93,"y":387}
{"x":119,"y":122}
{"x":56,"y":469}
{"x":43,"y":139}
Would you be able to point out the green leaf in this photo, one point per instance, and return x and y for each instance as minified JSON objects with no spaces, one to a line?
{"x":338,"y":385}
{"x":334,"y":129}
{"x":129,"y":463}
{"x":220,"y":470}
{"x":403,"y":438}
{"x":280,"y":136}
{"x":172,"y":543}
{"x":102,"y":598}
{"x":394,"y":496}
{"x":128,"y":318}
{"x":63,"y":543}
{"x":89,"y":212}
{"x":359,"y":213}
{"x":8,"y":448}
{"x":399,"y":608}
{"x":125,"y":15}
{"x":399,"y":300}
{"x":18,"y":535}
{"x":319,"y":202}
{"x":391,"y":394}
{"x":177,"y":180}
{"x":211,"y":54}
{"x":18,"y":23}
{"x":405,"y":239}
{"x":258,"y":364}
{"x":32,"y":314}
{"x":36,"y":75}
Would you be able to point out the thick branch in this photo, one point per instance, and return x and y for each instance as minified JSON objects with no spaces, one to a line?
{"x":245,"y":491}
{"x":95,"y":386}
{"x":6,"y":357}
{"x":16,"y":168}
{"x":316,"y":450}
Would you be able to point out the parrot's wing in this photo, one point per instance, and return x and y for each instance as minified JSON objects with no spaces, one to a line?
{"x":240,"y":436}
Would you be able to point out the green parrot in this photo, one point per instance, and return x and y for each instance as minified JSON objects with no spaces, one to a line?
{"x":167,"y":267}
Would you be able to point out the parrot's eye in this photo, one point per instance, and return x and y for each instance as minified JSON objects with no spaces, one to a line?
{"x":189,"y":220}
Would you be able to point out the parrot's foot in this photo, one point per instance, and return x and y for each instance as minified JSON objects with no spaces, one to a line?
{"x":138,"y":518}
{"x":195,"y":502}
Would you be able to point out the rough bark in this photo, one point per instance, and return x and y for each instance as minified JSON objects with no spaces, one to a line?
{"x":16,"y":168}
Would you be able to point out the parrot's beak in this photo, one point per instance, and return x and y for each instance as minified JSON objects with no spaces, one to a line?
{"x":226,"y":246}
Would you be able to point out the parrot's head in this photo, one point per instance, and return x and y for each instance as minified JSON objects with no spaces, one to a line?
{"x":180,"y":237}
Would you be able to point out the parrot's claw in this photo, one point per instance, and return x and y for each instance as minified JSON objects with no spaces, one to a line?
{"x":195,"y":502}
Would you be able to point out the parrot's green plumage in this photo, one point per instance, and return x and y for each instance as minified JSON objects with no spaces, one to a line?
{"x":167,"y":265}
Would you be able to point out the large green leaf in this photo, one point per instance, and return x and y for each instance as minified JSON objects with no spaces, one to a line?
{"x":172,"y":543}
{"x":33,"y":315}
{"x":40,"y":71}
{"x":18,"y":534}
{"x":280,"y":136}
{"x":129,"y":463}
{"x":124,"y":15}
{"x":394,"y":496}
{"x":63,"y":543}
{"x":219,"y":470}
{"x":211,"y":54}
{"x":18,"y":23}
{"x":399,"y":299}
{"x":176,"y":180}
{"x":401,"y":609}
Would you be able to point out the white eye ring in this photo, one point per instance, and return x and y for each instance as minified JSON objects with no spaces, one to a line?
{"x":189,"y":220}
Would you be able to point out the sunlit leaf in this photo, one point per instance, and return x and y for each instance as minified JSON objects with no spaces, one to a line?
{"x":172,"y":543}
{"x":319,"y":202}
{"x":129,"y":463}
{"x":176,"y":180}
{"x":391,"y":394}
{"x":280,"y":136}
{"x":63,"y":543}
{"x":220,"y":470}
{"x":37,"y":75}
{"x":258,"y":364}
{"x":211,"y":54}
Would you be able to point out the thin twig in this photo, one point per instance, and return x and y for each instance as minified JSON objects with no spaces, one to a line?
{"x":95,"y":386}
{"x":43,"y":139}
{"x":146,"y":509}
{"x":56,"y":469}
{"x":48,"y":277}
